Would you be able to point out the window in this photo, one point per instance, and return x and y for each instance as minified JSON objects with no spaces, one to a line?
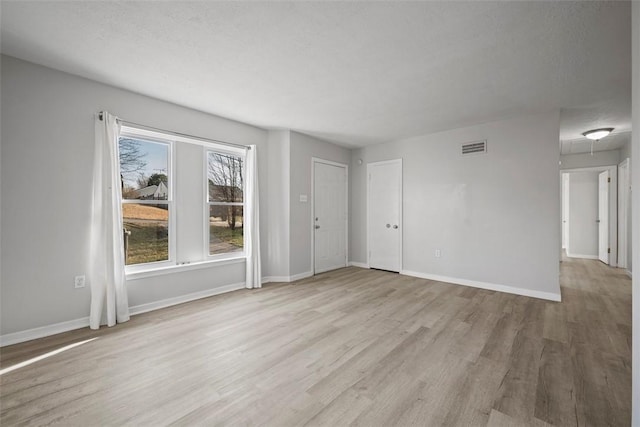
{"x":146,"y":200}
{"x":178,"y":193}
{"x":225,"y":197}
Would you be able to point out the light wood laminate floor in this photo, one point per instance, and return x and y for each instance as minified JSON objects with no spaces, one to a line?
{"x":349,"y":347}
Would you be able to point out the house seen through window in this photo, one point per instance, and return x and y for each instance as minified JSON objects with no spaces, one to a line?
{"x":146,"y":202}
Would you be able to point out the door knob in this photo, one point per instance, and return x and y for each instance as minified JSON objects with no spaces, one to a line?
{"x":317,"y":226}
{"x":388,"y":225}
{"x":395,"y":227}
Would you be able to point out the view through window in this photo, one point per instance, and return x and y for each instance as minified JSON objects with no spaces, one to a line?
{"x":169,"y":222}
{"x":226,"y":202}
{"x":144,"y":168}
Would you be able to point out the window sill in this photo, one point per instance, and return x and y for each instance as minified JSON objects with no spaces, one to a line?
{"x":160,"y":271}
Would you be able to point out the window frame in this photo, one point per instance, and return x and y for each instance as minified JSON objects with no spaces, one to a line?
{"x":165,"y":139}
{"x":237,"y":152}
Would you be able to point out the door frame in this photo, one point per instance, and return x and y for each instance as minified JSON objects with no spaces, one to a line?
{"x":400,"y":216}
{"x":613,"y":205}
{"x":564,"y":210}
{"x":623,"y":208}
{"x":315,"y":160}
{"x":606,"y":248}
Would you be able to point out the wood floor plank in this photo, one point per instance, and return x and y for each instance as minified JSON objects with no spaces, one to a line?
{"x":347,"y":347}
{"x":555,"y":397}
{"x":520,"y":381}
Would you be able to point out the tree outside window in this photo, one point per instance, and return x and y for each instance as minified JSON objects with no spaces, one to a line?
{"x":226,"y":202}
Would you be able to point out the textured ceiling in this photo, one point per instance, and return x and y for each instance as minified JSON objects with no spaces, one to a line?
{"x":352,"y":72}
{"x":583,"y":145}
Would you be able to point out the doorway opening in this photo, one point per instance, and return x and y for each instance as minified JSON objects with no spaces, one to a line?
{"x":590,"y":213}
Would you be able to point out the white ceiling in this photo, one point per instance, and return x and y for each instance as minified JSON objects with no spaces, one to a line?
{"x":583,"y":145}
{"x":356,"y":73}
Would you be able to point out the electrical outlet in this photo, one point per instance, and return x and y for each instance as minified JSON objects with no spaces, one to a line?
{"x":438,"y":253}
{"x":78,"y":282}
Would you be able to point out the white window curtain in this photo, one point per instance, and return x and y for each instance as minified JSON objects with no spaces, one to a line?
{"x":106,"y":257}
{"x":251,"y":222}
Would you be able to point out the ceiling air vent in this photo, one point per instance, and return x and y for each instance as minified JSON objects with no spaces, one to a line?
{"x":475,"y":147}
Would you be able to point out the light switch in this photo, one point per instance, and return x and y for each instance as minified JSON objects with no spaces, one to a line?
{"x":303,"y":198}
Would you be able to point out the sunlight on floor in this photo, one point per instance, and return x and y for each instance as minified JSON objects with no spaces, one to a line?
{"x":43,"y":356}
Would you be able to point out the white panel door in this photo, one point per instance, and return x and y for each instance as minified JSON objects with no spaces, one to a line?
{"x":565,"y":210}
{"x":603,"y":217}
{"x":384,"y":214}
{"x":330,"y":216}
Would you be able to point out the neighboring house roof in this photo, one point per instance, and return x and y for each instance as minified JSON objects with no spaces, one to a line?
{"x":152,"y":192}
{"x":162,"y":191}
{"x":145,"y":192}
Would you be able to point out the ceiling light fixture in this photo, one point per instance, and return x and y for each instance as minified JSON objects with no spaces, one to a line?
{"x":596,"y":135}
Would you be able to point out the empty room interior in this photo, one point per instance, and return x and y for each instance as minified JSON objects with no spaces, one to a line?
{"x":319,"y":213}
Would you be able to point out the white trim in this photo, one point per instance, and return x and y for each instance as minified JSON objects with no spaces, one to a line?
{"x":315,"y":160}
{"x":43,"y":331}
{"x":70,"y":325}
{"x":275,"y":279}
{"x":629,"y":273}
{"x":287,"y":279}
{"x":300,"y":276}
{"x":156,"y":305}
{"x":583,"y":256}
{"x":358,"y":264}
{"x":485,"y":285}
{"x":183,"y":267}
{"x":624,"y":196}
{"x":589,"y":169}
{"x":400,"y":214}
{"x":331,"y":268}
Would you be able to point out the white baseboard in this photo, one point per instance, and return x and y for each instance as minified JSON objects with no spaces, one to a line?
{"x":630,"y":274}
{"x":70,"y":325}
{"x":277,"y":279}
{"x":358,"y":264}
{"x":301,"y":276}
{"x":571,"y":255}
{"x":485,"y":285}
{"x":43,"y":331}
{"x":287,"y":279}
{"x":156,"y":305}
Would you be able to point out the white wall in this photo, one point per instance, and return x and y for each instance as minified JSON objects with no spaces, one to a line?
{"x":625,"y":150}
{"x":635,"y":155}
{"x":495,"y":217}
{"x":583,"y":213}
{"x":47,"y":155}
{"x":276,"y":264}
{"x":586,"y":160}
{"x":303,"y":149}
